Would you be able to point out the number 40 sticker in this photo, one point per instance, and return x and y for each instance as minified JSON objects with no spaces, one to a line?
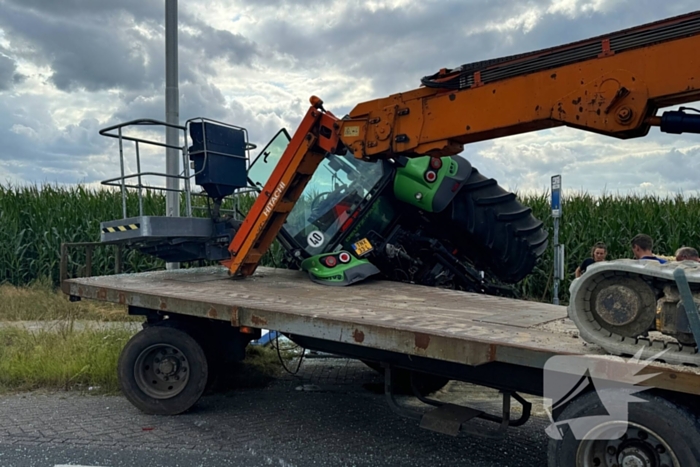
{"x":315,"y":239}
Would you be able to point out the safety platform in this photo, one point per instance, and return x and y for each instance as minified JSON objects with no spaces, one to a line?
{"x":155,"y":228}
{"x":214,"y":155}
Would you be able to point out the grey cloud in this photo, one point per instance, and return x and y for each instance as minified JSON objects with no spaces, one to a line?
{"x":206,"y":100}
{"x":27,"y":174}
{"x":19,"y":78}
{"x":207,"y":43}
{"x":76,"y":155}
{"x":79,"y":139}
{"x":152,"y":9}
{"x":7,"y":72}
{"x":103,"y":52}
{"x":97,"y":45}
{"x":393,"y":49}
{"x":195,"y":101}
{"x":104,"y":46}
{"x":592,"y":166}
{"x":675,"y":166}
{"x":34,"y":150}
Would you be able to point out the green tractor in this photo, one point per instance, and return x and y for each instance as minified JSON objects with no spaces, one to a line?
{"x":429,"y":221}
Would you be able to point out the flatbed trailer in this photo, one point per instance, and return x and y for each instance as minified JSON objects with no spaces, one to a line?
{"x":435,"y":334}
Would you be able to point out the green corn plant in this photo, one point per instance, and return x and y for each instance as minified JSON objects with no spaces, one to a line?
{"x":35,"y":220}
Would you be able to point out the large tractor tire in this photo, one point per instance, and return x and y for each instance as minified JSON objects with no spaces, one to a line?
{"x":497,"y":232}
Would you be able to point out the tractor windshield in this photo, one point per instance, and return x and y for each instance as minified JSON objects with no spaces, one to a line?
{"x":330,"y":198}
{"x":333,"y":194}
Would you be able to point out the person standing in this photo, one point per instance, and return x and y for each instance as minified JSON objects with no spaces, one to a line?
{"x":598,"y":253}
{"x":642,"y":245}
{"x":687,"y":253}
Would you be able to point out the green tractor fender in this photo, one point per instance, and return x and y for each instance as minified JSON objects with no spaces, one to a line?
{"x":430,"y":183}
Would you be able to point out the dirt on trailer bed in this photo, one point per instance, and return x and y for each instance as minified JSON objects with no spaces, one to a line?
{"x":448,"y":325}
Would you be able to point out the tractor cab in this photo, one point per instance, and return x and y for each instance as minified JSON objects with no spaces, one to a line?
{"x":330,"y":201}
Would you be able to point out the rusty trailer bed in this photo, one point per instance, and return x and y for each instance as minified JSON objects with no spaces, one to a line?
{"x":446,"y":325}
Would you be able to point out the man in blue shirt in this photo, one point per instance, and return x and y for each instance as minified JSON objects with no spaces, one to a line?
{"x":641,"y":247}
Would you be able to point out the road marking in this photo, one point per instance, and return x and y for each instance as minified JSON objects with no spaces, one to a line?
{"x":74,"y":465}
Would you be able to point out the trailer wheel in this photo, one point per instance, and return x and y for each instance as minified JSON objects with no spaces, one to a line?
{"x":656,"y":433}
{"x":196,"y":331}
{"x":162,"y":371}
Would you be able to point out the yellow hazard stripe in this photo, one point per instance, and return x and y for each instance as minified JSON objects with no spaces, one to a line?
{"x":121,"y":228}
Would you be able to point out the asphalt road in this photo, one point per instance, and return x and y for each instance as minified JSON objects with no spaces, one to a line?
{"x":73,"y":456}
{"x":329,"y":414}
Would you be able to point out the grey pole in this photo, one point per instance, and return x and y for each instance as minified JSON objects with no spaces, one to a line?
{"x":172,"y":113}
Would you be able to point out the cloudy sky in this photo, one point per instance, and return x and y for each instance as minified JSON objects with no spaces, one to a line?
{"x":71,"y":67}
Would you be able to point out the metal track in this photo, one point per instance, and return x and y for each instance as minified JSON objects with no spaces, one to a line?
{"x":651,"y":271}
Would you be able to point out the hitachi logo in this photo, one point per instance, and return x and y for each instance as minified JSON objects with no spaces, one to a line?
{"x":273,"y":200}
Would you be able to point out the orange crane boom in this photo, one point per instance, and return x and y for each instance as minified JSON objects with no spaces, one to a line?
{"x":611,"y":85}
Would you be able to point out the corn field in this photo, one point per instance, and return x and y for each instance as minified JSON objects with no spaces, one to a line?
{"x":34,"y":221}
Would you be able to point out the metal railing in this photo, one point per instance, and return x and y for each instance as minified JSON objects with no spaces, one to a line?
{"x":185,"y":175}
{"x":121,"y":181}
{"x":89,"y":248}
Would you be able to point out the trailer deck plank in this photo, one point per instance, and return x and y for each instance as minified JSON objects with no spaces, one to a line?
{"x":450,"y":325}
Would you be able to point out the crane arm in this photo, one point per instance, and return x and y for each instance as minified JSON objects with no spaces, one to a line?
{"x":611,"y":85}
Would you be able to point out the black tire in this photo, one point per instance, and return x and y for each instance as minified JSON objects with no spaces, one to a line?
{"x":215,"y":357}
{"x":499,"y":233}
{"x":425,"y":383}
{"x":137,"y":371}
{"x":660,"y":418}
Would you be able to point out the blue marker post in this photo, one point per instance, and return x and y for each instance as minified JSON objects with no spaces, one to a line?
{"x":558,"y":249}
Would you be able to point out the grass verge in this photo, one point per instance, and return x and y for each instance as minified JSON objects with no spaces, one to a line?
{"x":86,"y":360}
{"x":60,"y":359}
{"x":41,"y":301}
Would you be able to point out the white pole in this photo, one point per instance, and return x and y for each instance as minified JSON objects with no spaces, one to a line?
{"x":172,"y":113}
{"x":556,"y":262}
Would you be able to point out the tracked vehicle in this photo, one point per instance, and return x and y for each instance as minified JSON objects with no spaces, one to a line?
{"x":628,"y":306}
